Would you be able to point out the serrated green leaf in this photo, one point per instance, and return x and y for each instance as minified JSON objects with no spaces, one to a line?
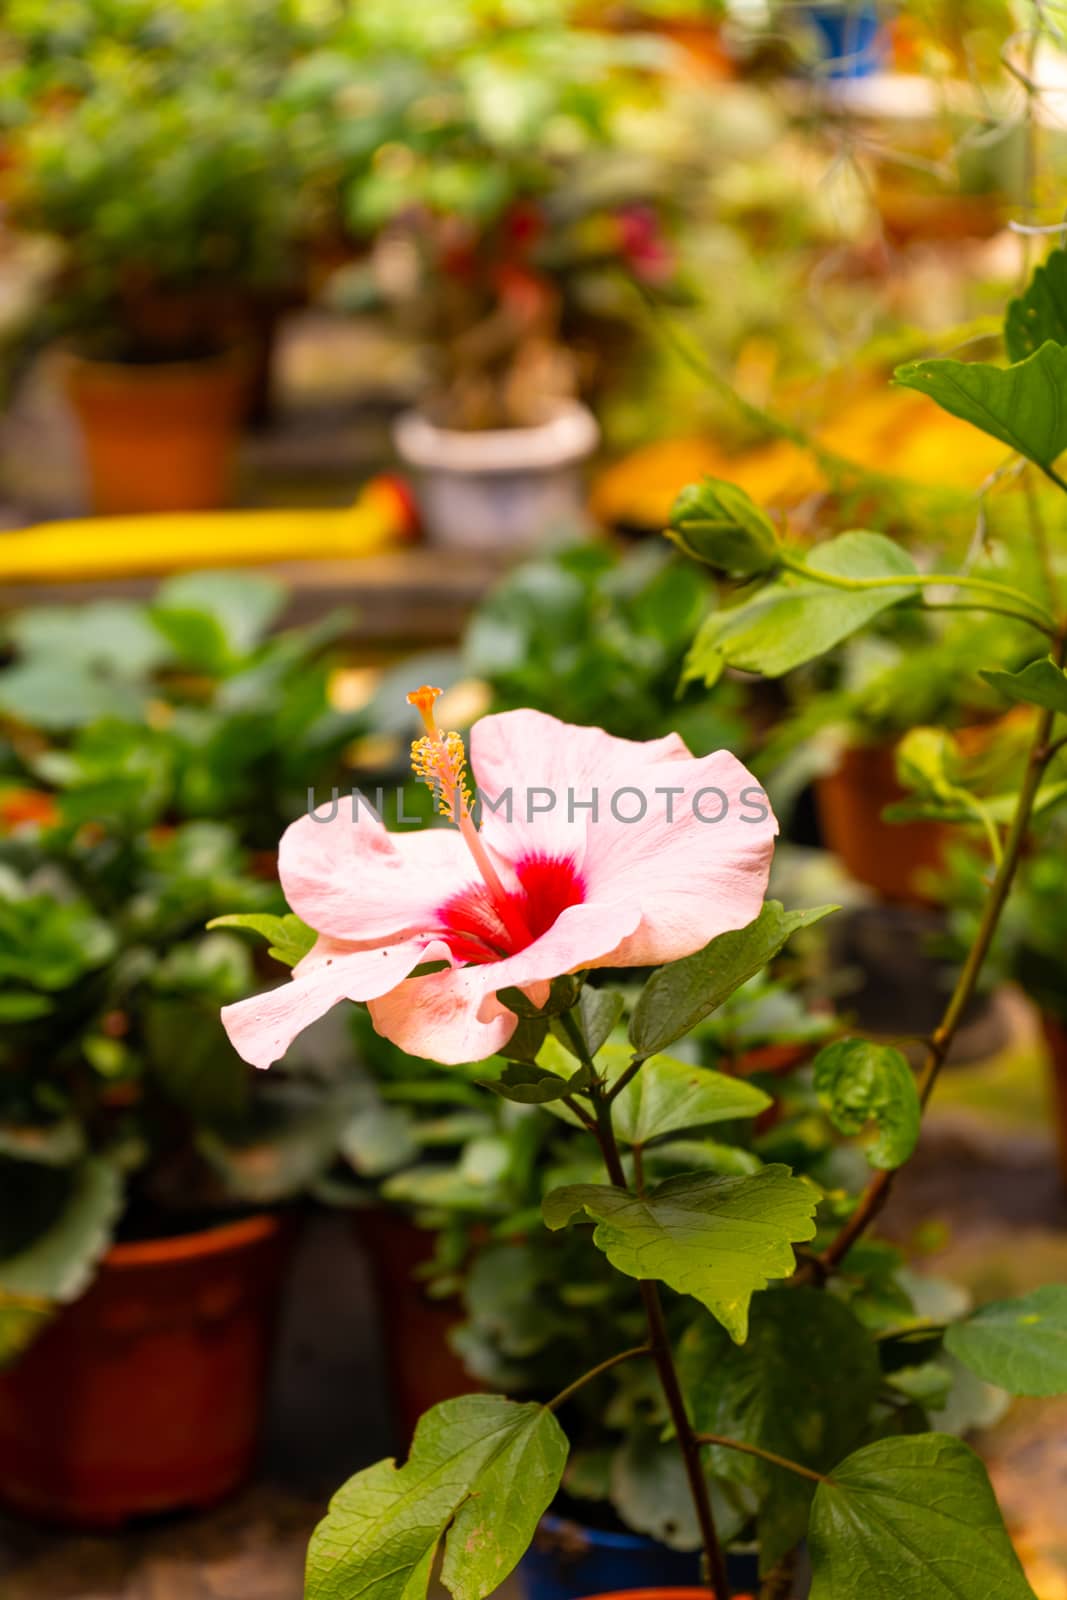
{"x":1019,"y":1345}
{"x":481,"y":1467}
{"x":1040,"y":312}
{"x":802,"y":1387}
{"x":289,"y":938}
{"x":796,"y":618}
{"x":1025,"y":405}
{"x":912,"y":1518}
{"x":683,"y":993}
{"x":718,"y":1239}
{"x":1041,"y":683}
{"x":860,"y":1082}
{"x":718,"y":523}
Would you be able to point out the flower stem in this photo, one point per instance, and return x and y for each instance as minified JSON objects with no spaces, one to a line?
{"x":659,"y":1343}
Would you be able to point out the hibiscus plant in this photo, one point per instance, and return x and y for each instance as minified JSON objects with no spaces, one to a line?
{"x":796,"y":1372}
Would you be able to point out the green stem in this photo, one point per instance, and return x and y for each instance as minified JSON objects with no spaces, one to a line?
{"x":658,"y":1338}
{"x":919,"y":580}
{"x":763,"y":1455}
{"x":595,"y":1372}
{"x":987,"y":610}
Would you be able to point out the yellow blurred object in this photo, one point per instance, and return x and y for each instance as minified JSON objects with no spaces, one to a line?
{"x":108,"y":547}
{"x":892,"y":431}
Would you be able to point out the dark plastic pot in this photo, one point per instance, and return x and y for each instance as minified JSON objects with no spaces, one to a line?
{"x":570,"y":1562}
{"x":146,"y":1394}
{"x":423,"y":1368}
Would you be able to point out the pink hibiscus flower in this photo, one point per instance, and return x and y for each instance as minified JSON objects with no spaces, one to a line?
{"x":592,"y":852}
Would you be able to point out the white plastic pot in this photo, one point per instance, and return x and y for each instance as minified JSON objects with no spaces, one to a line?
{"x":505,"y":488}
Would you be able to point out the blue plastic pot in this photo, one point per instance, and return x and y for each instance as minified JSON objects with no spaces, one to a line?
{"x":570,"y":1562}
{"x":853,"y":38}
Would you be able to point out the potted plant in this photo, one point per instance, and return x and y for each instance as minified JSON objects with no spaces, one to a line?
{"x":846,"y":729}
{"x":143,"y":1243}
{"x":485,"y":222}
{"x":170,"y":180}
{"x":137,"y":1297}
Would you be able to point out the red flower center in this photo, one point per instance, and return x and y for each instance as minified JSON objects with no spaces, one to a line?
{"x":475,"y":931}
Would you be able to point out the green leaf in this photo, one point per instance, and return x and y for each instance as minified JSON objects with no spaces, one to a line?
{"x":1041,"y":683}
{"x":649,"y":1489}
{"x":718,"y":1239}
{"x":683,"y":993}
{"x":378,"y":1139}
{"x":192,"y":1062}
{"x":1020,"y":1345}
{"x":481,"y":1473}
{"x":718,"y":523}
{"x":668,"y":1095}
{"x":860,"y":1082}
{"x":1040,"y":312}
{"x":802,"y":1386}
{"x":912,"y":1518}
{"x":288,"y":937}
{"x":56,"y":1266}
{"x":531,"y":1085}
{"x":925,"y":760}
{"x":797,"y":618}
{"x":599,"y":1011}
{"x":1023,"y":405}
{"x":213,"y":619}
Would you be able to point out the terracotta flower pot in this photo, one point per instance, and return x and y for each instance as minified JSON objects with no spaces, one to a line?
{"x":158,"y":437}
{"x":423,"y":1368}
{"x":887,"y":856}
{"x":146,"y":1394}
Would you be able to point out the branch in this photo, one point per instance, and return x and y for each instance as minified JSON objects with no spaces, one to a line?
{"x":877,"y":1191}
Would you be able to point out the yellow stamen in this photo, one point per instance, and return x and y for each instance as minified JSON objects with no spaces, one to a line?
{"x":440,"y":761}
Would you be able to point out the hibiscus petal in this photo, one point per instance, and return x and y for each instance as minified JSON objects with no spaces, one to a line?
{"x":455,"y":1016}
{"x":262,"y":1028}
{"x":444,"y":1017}
{"x":354,"y":880}
{"x":552,"y":770}
{"x":694,"y":877}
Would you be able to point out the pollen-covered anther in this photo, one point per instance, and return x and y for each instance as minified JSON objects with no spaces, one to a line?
{"x":440,"y":761}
